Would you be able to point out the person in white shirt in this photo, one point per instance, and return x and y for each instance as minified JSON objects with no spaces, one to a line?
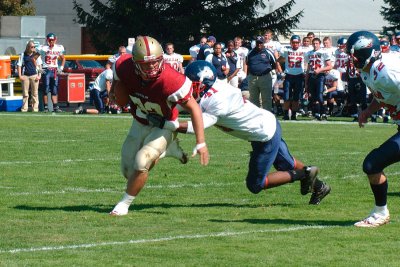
{"x":318,"y":63}
{"x":381,"y":73}
{"x":293,"y":56}
{"x":329,"y":49}
{"x":275,"y":47}
{"x":334,"y":88}
{"x":50,"y":53}
{"x":99,"y":93}
{"x":222,"y":105}
{"x":194,"y":50}
{"x":242,"y":52}
{"x":172,"y":58}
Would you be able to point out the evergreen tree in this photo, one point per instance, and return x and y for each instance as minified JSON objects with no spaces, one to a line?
{"x":182,"y":22}
{"x":16,"y":8}
{"x":391,"y":13}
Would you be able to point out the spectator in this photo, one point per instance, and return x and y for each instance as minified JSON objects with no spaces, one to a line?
{"x":207,"y":48}
{"x":396,"y":46}
{"x":121,"y":51}
{"x":28,"y":64}
{"x":357,"y":91}
{"x":260,"y":62}
{"x":234,"y":64}
{"x":275,"y":47}
{"x":172,"y":58}
{"x":329,"y":49}
{"x":242,"y":52}
{"x":306,"y":44}
{"x":219,"y":61}
{"x":50,"y":53}
{"x":333,"y":89}
{"x":194,"y":50}
{"x":318,"y":63}
{"x":293,"y":85}
{"x":100,"y":92}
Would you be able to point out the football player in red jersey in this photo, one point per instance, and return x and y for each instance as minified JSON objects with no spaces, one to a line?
{"x":154,"y":88}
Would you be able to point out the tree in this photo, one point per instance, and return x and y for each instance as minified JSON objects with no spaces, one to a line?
{"x":392,"y":15}
{"x":16,"y":8}
{"x":180,"y":21}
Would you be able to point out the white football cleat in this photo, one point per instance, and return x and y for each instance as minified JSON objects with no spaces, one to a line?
{"x":120,"y":209}
{"x":175,"y":151}
{"x":374,"y":220}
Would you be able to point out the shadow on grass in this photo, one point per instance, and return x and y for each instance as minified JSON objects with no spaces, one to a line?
{"x":289,"y":222}
{"x":140,"y":207}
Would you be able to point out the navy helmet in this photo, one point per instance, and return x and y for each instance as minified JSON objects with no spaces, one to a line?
{"x":202,"y":74}
{"x":341,"y":43}
{"x":363,"y":48}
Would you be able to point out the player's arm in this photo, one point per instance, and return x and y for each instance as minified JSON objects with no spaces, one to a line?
{"x":332,"y":88}
{"x":196,"y":116}
{"x":373,"y":107}
{"x":62,"y":62}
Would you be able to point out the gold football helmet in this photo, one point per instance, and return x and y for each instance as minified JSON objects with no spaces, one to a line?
{"x":147,"y":54}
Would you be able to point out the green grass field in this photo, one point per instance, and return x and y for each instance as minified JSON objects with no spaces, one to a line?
{"x":60,"y":177}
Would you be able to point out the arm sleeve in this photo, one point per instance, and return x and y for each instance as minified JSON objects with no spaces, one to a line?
{"x":208,"y":121}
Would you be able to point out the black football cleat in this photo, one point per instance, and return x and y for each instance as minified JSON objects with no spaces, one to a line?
{"x":307,"y":184}
{"x":319,"y":194}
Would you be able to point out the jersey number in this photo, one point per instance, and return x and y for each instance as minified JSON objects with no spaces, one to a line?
{"x":294,"y":62}
{"x":147,"y":107}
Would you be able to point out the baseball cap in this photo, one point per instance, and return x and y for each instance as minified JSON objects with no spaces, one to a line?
{"x":259,"y":39}
{"x":211,"y":39}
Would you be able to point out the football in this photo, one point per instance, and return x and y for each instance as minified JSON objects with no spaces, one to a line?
{"x":121,"y":92}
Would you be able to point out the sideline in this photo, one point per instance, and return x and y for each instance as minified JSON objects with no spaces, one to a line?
{"x":127,"y":116}
{"x":164,"y":239}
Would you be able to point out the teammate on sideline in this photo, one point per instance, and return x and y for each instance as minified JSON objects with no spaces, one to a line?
{"x":152,"y":87}
{"x":293,"y":56}
{"x":50,"y":54}
{"x":172,"y":58}
{"x":224,"y":107}
{"x":380,"y":72}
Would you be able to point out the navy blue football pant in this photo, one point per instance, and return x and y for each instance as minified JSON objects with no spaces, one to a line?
{"x":357,"y":94}
{"x":386,"y":154}
{"x":316,"y":88}
{"x":265,"y":154}
{"x":293,"y":87}
{"x":97,"y":98}
{"x":50,"y":81}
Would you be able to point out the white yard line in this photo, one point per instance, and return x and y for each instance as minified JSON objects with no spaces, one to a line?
{"x":56,"y":161}
{"x":163,"y":239}
{"x":116,"y":190}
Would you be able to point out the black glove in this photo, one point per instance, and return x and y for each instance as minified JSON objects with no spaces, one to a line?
{"x":156,"y":120}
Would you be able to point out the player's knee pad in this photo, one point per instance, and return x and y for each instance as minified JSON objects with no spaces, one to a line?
{"x":372,"y":164}
{"x":145,"y":158}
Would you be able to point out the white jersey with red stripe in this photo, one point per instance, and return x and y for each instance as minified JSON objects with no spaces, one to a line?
{"x":331,"y":52}
{"x":341,"y":59}
{"x":383,"y":80}
{"x":316,"y":59}
{"x":273,"y":45}
{"x":332,"y":76}
{"x":224,"y":106}
{"x":174,"y":59}
{"x":294,"y":60}
{"x":50,"y":55}
{"x":158,"y":96}
{"x":242,"y":54}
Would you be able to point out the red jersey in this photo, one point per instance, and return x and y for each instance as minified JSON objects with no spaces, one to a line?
{"x":158,"y":96}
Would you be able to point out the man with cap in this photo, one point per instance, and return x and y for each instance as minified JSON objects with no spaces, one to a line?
{"x":396,"y":44}
{"x":207,"y":48}
{"x":260,"y":61}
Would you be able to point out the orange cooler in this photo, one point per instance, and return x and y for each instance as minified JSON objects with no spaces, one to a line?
{"x":5,"y":67}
